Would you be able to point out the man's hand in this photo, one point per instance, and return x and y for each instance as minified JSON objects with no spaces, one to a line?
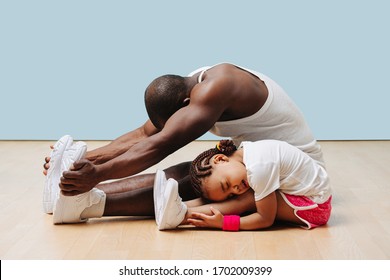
{"x":210,"y":221}
{"x":80,"y":178}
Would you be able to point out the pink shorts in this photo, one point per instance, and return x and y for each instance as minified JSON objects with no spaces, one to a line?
{"x":309,"y":212}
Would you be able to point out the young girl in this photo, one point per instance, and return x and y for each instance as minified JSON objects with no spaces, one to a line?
{"x":286,"y":183}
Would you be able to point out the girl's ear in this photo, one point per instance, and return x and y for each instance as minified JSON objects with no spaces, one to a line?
{"x":220,"y":158}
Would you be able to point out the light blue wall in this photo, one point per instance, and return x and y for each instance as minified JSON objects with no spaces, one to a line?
{"x":81,"y":67}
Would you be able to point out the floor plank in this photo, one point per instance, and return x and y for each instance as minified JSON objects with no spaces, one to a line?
{"x":358,"y":229}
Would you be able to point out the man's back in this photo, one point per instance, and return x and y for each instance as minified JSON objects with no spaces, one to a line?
{"x":245,"y":92}
{"x":259,"y":109}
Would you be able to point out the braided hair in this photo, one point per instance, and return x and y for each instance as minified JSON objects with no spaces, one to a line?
{"x":201,"y":167}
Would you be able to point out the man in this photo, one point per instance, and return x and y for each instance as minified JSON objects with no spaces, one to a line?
{"x":226,"y":99}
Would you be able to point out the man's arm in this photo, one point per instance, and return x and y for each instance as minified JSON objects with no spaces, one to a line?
{"x":184,"y":126}
{"x":121,"y":144}
{"x":115,"y":147}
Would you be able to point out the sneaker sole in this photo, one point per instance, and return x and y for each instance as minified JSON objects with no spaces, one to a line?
{"x":49,"y":194}
{"x":170,"y":198}
{"x":82,"y":151}
{"x":158,"y":190}
{"x":58,"y":215}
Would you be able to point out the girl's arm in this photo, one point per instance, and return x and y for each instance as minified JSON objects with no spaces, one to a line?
{"x":263,"y":218}
{"x":265,"y":215}
{"x":235,"y":205}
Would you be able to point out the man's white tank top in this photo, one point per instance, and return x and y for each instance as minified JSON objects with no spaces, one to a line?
{"x":278,"y":119}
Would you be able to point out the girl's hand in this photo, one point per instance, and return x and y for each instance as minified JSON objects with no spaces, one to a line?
{"x":210,"y":221}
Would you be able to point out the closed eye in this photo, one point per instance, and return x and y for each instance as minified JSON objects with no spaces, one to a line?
{"x":222,"y":188}
{"x":225,"y":187}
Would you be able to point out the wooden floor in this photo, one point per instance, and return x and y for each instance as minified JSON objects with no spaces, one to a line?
{"x":358,"y":229}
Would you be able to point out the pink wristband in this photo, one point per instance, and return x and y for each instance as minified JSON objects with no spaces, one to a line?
{"x":231,"y":222}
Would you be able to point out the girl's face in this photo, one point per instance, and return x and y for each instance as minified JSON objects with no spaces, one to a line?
{"x":228,"y":178}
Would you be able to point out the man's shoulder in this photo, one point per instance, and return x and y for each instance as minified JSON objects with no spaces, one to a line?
{"x":223,"y":67}
{"x":217,"y":85}
{"x":215,"y":88}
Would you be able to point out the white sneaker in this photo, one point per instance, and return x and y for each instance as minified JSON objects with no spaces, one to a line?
{"x":68,"y":209}
{"x":160,"y":180}
{"x":73,"y":153}
{"x":170,"y":210}
{"x":52,"y":180}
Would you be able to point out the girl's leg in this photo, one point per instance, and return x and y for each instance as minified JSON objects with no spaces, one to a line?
{"x":285,"y":213}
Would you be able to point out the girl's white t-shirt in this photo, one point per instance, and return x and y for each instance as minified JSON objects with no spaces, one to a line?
{"x":276,"y":165}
